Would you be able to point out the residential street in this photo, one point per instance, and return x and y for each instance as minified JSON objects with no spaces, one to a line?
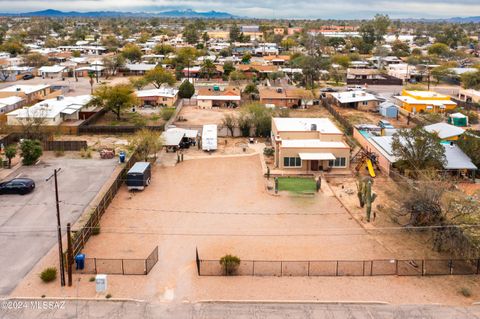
{"x":38,"y":309}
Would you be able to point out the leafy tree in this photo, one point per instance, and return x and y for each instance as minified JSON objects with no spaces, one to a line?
{"x":186,"y":90}
{"x":163,"y":49}
{"x":208,"y":68}
{"x":12,"y":47}
{"x":10,"y":152}
{"x":146,"y":143}
{"x":35,"y":60}
{"x":251,"y":88}
{"x":31,"y":150}
{"x":234,"y":33}
{"x":132,"y":52}
{"x":380,"y":25}
{"x":228,"y":67}
{"x":288,"y":43}
{"x":417,"y":149}
{"x":229,"y":121}
{"x":159,"y":76}
{"x":441,"y":72}
{"x":364,"y":47}
{"x":260,"y":118}
{"x":452,"y":35}
{"x":367,"y":31}
{"x":111,"y":43}
{"x":114,"y":98}
{"x":230,"y":264}
{"x":471,"y":80}
{"x":190,"y":33}
{"x":138,"y":83}
{"x":470,"y":145}
{"x":342,"y":60}
{"x":246,"y":58}
{"x":112,"y":64}
{"x":439,"y":49}
{"x":236,"y":76}
{"x":400,"y":48}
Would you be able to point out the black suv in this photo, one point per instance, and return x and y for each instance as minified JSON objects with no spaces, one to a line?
{"x":28,"y":77}
{"x":20,"y":186}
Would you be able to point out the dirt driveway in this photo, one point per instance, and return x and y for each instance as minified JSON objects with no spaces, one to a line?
{"x":219,"y":205}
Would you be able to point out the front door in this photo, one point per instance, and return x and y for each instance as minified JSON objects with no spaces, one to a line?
{"x":314,"y":165}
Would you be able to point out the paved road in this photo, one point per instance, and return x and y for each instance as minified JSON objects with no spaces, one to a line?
{"x":134,"y":310}
{"x":79,"y":182}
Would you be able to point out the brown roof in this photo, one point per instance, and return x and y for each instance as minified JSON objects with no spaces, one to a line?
{"x":209,"y":91}
{"x":277,"y":57}
{"x":257,"y":67}
{"x":284,"y":93}
{"x":363,"y":71}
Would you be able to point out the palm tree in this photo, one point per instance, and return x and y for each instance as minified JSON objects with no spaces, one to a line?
{"x":208,"y":68}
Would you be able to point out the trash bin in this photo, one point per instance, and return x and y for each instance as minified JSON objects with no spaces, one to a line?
{"x":80,"y":261}
{"x":122,"y":156}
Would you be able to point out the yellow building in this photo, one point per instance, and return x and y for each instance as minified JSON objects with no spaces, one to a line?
{"x":425,"y":101}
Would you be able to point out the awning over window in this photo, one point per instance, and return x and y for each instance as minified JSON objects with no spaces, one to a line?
{"x":316,"y":156}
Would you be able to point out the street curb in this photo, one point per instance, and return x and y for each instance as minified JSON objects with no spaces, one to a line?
{"x":75,"y":299}
{"x":361,"y":302}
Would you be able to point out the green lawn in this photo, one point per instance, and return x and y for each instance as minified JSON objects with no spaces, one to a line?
{"x":296,"y":184}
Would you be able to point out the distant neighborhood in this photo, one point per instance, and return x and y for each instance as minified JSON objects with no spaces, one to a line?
{"x":185,"y":148}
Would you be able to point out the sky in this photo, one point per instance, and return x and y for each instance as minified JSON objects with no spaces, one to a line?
{"x":273,"y":9}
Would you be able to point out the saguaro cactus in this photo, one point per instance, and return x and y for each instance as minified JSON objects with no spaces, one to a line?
{"x":365,"y":195}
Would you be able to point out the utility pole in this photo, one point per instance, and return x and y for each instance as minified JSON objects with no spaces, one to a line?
{"x":59,"y":229}
{"x":69,"y":254}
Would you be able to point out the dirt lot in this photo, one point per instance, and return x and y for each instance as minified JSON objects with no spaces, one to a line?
{"x":361,"y":117}
{"x":220,"y":205}
{"x":195,"y":116}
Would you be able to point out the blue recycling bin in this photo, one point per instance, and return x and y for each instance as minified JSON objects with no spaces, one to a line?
{"x":80,"y":261}
{"x":122,"y":156}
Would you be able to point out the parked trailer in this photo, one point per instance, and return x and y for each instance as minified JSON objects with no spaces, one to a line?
{"x":139,"y":176}
{"x":209,"y":138}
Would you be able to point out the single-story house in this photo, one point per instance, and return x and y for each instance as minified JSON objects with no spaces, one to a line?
{"x":11,"y":103}
{"x":285,"y":96}
{"x":360,"y":100}
{"x":30,"y":93}
{"x":137,"y":69}
{"x":50,"y":112}
{"x":469,"y":95}
{"x":208,"y":97}
{"x":158,"y":97}
{"x":370,"y":77}
{"x":445,"y":131}
{"x":425,"y":101}
{"x":54,"y":71}
{"x":308,"y":144}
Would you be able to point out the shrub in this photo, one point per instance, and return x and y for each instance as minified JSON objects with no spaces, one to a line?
{"x":86,"y":153}
{"x":465,"y":292}
{"x":31,"y":151}
{"x":92,"y":279}
{"x":49,"y":274}
{"x":108,"y":296}
{"x":230,"y":264}
{"x":268,"y":151}
{"x":59,"y":153}
{"x":167,"y":113}
{"x":96,"y":230}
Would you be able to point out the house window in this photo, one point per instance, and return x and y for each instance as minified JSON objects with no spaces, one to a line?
{"x":292,"y":162}
{"x":338,"y":162}
{"x":164,"y":99}
{"x":365,"y":103}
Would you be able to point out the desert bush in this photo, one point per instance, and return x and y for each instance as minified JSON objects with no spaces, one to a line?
{"x":31,"y":151}
{"x":49,"y":274}
{"x":268,"y":151}
{"x":167,"y":113}
{"x":230,"y":264}
{"x":96,"y":230}
{"x":86,"y":153}
{"x":465,"y":292}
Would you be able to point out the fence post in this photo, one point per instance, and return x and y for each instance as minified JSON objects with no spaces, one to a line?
{"x":396,"y":267}
{"x":197,"y":260}
{"x":450,"y":265}
{"x":336,"y":269}
{"x":423,"y":267}
{"x":146,"y":267}
{"x":281,"y":269}
{"x":478,"y":265}
{"x":95,"y":264}
{"x":123,"y":270}
{"x":308,"y":270}
{"x":253,"y":268}
{"x":363,"y":268}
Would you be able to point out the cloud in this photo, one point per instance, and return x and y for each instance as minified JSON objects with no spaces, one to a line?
{"x":334,"y":9}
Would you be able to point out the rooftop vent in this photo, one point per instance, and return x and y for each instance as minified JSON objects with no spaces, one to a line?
{"x":19,"y":89}
{"x":279,"y":90}
{"x":313,"y":127}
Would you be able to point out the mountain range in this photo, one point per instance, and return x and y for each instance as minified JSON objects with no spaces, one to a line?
{"x":188,"y":13}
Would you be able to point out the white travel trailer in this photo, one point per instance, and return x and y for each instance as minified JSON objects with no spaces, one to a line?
{"x":209,"y":138}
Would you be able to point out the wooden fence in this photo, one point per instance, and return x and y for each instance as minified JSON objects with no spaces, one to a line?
{"x":345,"y":123}
{"x":64,"y":145}
{"x":81,"y":236}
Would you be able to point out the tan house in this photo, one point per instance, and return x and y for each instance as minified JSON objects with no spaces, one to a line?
{"x":469,"y":95}
{"x":30,"y":93}
{"x":309,"y":145}
{"x":285,"y":97}
{"x":359,"y":100}
{"x":158,"y":97}
{"x":216,"y":96}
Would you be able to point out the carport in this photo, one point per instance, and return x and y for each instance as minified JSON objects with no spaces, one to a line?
{"x":316,"y":161}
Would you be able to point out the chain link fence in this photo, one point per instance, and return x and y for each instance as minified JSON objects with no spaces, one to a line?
{"x":387,"y":267}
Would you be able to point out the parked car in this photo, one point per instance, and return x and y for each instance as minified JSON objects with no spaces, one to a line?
{"x":28,"y":77}
{"x":20,"y":186}
{"x":385,"y":124}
